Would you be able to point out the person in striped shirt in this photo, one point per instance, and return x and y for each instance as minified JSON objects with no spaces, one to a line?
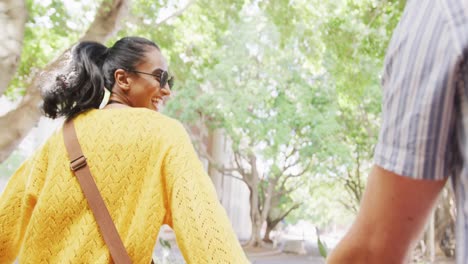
{"x":423,"y":139}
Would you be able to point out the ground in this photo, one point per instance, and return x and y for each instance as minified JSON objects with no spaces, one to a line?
{"x":276,"y":256}
{"x":255,"y":255}
{"x":269,"y":256}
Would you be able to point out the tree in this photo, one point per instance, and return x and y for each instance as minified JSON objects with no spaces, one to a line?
{"x":356,"y":37}
{"x":269,"y":106}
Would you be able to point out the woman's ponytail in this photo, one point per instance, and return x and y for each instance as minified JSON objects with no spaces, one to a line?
{"x":81,"y":86}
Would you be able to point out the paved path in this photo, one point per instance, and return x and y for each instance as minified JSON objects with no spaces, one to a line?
{"x":311,"y":257}
{"x":256,"y":256}
{"x":287,"y":258}
{"x":264,"y":257}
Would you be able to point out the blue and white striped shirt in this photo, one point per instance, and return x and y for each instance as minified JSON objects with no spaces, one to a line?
{"x":425,"y":107}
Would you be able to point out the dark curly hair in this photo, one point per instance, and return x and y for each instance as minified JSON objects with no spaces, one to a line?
{"x":81,"y":86}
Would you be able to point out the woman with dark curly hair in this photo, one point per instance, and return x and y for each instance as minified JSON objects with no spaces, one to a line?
{"x":143,"y":163}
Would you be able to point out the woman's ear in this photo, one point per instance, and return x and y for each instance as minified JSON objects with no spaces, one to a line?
{"x":122,"y":79}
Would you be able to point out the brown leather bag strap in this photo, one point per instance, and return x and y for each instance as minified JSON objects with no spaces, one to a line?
{"x":79,"y":166}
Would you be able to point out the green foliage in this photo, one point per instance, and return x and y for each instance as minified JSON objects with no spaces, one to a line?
{"x":356,"y":38}
{"x":321,"y":205}
{"x":322,"y":247}
{"x":275,"y":76}
{"x":279,"y":75}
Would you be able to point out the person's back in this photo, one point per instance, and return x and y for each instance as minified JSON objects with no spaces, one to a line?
{"x":148,"y":174}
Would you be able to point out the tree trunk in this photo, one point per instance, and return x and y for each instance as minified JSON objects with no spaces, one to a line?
{"x":16,"y":124}
{"x":266,"y":237}
{"x":273,"y":222}
{"x":13,"y":17}
{"x":267,"y":205}
{"x":267,"y":201}
{"x":255,"y":239}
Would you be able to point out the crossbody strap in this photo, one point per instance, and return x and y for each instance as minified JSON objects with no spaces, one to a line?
{"x":81,"y":170}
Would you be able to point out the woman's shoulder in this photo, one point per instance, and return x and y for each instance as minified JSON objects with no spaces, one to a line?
{"x":131,"y":115}
{"x":137,"y":119}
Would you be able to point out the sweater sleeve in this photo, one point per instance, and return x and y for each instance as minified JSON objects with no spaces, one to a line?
{"x":17,"y":203}
{"x":203,"y":231}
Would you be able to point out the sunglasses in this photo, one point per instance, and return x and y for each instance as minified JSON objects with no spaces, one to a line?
{"x":161,"y":76}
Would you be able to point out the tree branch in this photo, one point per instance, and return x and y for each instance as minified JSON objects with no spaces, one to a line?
{"x":235,"y":177}
{"x":106,"y":21}
{"x":140,"y":20}
{"x":349,"y":207}
{"x":287,"y":191}
{"x":295,"y":206}
{"x":289,"y":176}
{"x":237,"y":158}
{"x":272,"y":222}
{"x":293,"y":151}
{"x":177,"y":13}
{"x":297,"y":161}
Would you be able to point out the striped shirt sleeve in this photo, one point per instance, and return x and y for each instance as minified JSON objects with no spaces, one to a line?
{"x":417,"y":137}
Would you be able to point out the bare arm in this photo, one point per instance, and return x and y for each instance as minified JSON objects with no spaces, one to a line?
{"x":393,"y":213}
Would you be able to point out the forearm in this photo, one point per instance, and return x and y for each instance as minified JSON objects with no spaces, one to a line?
{"x":351,"y":251}
{"x":391,"y":218}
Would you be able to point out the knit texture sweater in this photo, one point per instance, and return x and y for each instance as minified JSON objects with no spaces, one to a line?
{"x":148,"y":174}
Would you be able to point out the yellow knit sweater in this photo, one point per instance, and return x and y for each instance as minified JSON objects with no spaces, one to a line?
{"x":148,"y":173}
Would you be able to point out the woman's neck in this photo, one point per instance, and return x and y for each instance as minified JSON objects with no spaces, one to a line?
{"x":116,"y":101}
